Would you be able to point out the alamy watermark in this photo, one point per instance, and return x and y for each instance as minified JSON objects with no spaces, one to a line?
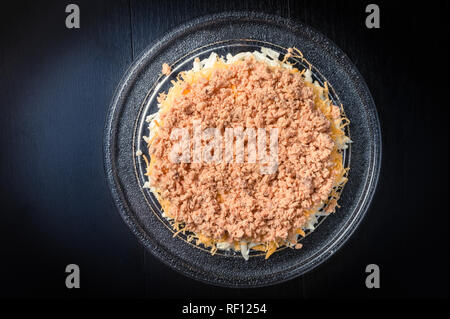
{"x":373,"y":279}
{"x":73,"y":18}
{"x":73,"y":277}
{"x":373,"y":19}
{"x":227,"y":147}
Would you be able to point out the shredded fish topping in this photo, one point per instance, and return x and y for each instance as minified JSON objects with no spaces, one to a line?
{"x":232,"y":205}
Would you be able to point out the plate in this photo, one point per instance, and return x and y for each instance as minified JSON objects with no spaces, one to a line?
{"x":135,"y":98}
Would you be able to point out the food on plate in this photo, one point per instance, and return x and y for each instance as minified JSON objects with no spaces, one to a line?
{"x":225,"y":201}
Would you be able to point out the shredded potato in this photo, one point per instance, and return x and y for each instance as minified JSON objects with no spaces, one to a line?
{"x":204,"y":69}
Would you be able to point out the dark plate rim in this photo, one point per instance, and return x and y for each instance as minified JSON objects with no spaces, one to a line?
{"x":130,"y":77}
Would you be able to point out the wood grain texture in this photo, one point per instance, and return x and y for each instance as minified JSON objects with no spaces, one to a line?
{"x":56,"y":208}
{"x":55,"y":88}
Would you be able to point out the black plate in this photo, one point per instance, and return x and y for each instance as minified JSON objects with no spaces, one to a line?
{"x":134,"y":99}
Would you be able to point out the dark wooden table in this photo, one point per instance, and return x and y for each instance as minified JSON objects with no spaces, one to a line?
{"x":55,"y":87}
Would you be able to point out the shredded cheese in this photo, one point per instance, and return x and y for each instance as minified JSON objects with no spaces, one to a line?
{"x":204,"y":69}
